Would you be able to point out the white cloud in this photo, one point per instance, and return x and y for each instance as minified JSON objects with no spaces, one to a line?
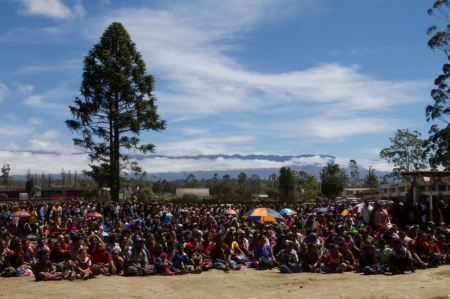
{"x":20,"y":162}
{"x":23,"y":89}
{"x":53,"y":9}
{"x":35,"y":121}
{"x":194,"y":131}
{"x":180,"y":152}
{"x":11,"y":146}
{"x":47,"y":146}
{"x":189,"y":47}
{"x":52,"y":102}
{"x":10,"y":116}
{"x":53,"y":163}
{"x":8,"y":130}
{"x":4,"y":91}
{"x":49,"y":135}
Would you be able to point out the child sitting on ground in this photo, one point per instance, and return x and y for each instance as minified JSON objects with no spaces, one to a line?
{"x":45,"y":269}
{"x":69,"y":269}
{"x":368,"y":260}
{"x":117,"y":261}
{"x":83,"y":263}
{"x":334,"y":263}
{"x":400,"y":258}
{"x":383,"y":254}
{"x":311,"y":259}
{"x":347,"y":255}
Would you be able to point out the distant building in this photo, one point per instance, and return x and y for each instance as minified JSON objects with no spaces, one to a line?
{"x":360,"y":193}
{"x":200,"y":192}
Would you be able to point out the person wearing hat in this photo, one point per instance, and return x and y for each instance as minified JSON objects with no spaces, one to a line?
{"x":288,"y":259}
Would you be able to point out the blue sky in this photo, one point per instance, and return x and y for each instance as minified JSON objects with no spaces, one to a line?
{"x":232,"y":77}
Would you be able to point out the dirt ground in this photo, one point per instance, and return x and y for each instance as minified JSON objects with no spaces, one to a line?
{"x":247,"y":283}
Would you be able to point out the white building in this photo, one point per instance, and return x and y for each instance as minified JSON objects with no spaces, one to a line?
{"x":200,"y":192}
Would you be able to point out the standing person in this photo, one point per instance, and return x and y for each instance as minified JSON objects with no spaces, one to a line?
{"x":422,"y":212}
{"x":381,"y":215}
{"x":365,"y":212}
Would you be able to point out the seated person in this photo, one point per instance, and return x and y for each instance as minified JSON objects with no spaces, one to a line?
{"x":45,"y":269}
{"x":288,"y":259}
{"x":137,"y":261}
{"x":400,"y":258}
{"x":182,"y":261}
{"x":118,"y":262}
{"x":383,"y":253}
{"x":162,"y":264}
{"x":334,"y":262}
{"x":102,"y":261}
{"x":311,"y":259}
{"x":83,"y":263}
{"x":367,"y":262}
{"x":14,"y":264}
{"x":221,"y":256}
{"x":421,"y":252}
{"x":263,"y":254}
{"x":69,"y":269}
{"x":347,"y":255}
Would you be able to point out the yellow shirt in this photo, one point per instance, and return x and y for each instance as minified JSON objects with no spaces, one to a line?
{"x":234,"y":245}
{"x":33,"y":217}
{"x":57,"y":210}
{"x":117,"y":224}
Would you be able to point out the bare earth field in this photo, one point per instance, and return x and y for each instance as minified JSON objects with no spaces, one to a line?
{"x":247,"y":283}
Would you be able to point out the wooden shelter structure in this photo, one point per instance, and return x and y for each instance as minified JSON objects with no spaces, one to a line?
{"x":430,"y":179}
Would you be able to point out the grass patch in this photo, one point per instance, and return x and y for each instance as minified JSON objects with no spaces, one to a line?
{"x":444,"y":273}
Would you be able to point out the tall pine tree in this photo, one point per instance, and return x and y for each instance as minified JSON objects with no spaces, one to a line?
{"x":117,"y":105}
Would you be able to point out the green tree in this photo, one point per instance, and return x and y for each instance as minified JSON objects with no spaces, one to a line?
{"x":222,"y":190}
{"x":117,"y":106}
{"x":29,"y":188}
{"x":405,"y":152}
{"x":331,"y":169}
{"x":331,"y":187}
{"x":242,"y":179}
{"x":286,"y":184}
{"x":190,"y":198}
{"x":190,"y":182}
{"x":273,"y":180}
{"x":5,"y":173}
{"x":371,"y":181}
{"x":354,"y":179}
{"x":255,"y":184}
{"x":145,"y":194}
{"x":437,"y":146}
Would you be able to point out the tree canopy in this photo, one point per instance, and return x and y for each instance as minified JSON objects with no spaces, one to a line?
{"x":437,"y":146}
{"x":405,"y":152}
{"x":117,"y":105}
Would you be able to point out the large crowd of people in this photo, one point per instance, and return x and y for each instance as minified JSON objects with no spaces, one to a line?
{"x":82,"y":240}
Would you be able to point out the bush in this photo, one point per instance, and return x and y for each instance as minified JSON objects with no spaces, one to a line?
{"x":3,"y":196}
{"x":190,"y":198}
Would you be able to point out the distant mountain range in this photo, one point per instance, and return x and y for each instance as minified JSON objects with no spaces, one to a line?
{"x":205,"y":166}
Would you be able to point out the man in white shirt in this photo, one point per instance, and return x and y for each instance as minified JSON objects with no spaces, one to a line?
{"x":365,"y":212}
